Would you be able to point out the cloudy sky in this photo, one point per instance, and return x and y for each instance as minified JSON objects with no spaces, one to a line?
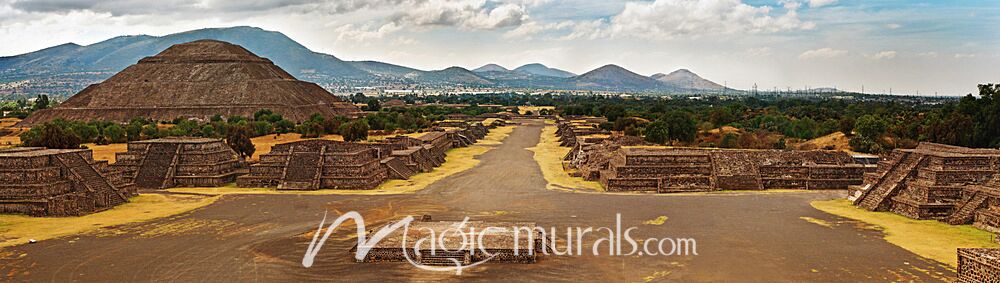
{"x":944,"y":47}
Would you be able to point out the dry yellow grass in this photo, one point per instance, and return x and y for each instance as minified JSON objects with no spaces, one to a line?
{"x":836,"y":141}
{"x":107,"y":152}
{"x":658,"y":221}
{"x":18,"y":229}
{"x":928,"y":238}
{"x":12,"y":138}
{"x":496,"y":135}
{"x":534,"y":109}
{"x":549,"y":156}
{"x":458,"y":160}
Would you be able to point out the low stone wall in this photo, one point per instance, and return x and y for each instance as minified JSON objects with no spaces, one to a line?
{"x":978,"y":265}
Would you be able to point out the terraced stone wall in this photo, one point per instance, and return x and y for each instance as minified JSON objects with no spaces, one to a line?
{"x":58,"y":182}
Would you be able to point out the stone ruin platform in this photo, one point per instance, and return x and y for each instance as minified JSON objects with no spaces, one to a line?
{"x":179,"y":162}
{"x":319,"y":164}
{"x":501,"y":241}
{"x":462,"y":133}
{"x":667,"y":170}
{"x":978,"y":265}
{"x":934,"y":181}
{"x":629,"y":164}
{"x":325,"y":164}
{"x":58,"y":182}
{"x":571,"y":131}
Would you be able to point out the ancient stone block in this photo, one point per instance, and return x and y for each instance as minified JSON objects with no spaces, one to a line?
{"x":58,"y":182}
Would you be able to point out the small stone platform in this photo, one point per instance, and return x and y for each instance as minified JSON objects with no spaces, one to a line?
{"x":179,"y":162}
{"x":58,"y":182}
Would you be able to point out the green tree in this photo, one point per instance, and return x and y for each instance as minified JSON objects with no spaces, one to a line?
{"x":871,"y":126}
{"x":238,"y":138}
{"x":729,"y":140}
{"x":86,"y":133}
{"x":373,"y":105}
{"x":41,"y":102}
{"x":846,"y":125}
{"x":208,"y":131}
{"x":869,"y":130}
{"x":284,"y":126}
{"x":150,"y":131}
{"x":51,"y":135}
{"x":682,"y":127}
{"x":658,"y":132}
{"x":115,"y":133}
{"x":261,"y":128}
{"x":356,"y":130}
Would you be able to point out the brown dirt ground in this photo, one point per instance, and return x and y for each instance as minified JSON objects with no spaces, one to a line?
{"x":740,"y":237}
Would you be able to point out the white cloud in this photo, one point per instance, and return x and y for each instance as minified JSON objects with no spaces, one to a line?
{"x":351,"y":32}
{"x":893,"y":26}
{"x":928,"y":54}
{"x":822,"y":53}
{"x":821,"y":3}
{"x":468,"y":14}
{"x":663,"y":19}
{"x":884,"y":55}
{"x":527,"y":30}
{"x":759,"y":52}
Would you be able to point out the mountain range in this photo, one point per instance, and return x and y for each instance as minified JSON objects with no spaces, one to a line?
{"x":65,"y":69}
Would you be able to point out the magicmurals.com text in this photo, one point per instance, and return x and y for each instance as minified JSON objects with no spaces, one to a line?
{"x":610,"y":241}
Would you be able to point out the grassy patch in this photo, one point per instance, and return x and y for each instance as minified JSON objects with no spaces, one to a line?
{"x":534,"y":109}
{"x":9,"y":136}
{"x":549,"y":156}
{"x":496,"y":135}
{"x":456,"y":161}
{"x":18,"y":229}
{"x":928,"y":238}
{"x":658,"y":221}
{"x":107,"y":152}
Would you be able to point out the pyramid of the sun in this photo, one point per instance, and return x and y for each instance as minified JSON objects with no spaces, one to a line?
{"x":198,"y":79}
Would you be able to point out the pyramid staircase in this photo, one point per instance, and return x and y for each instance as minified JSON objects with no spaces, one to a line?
{"x":302,"y":170}
{"x":90,"y":178}
{"x":967,"y":209}
{"x":874,"y":198}
{"x":156,"y":165}
{"x":397,"y":168}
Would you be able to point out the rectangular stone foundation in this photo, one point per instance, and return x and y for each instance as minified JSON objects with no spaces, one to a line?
{"x":978,"y":265}
{"x":180,"y":162}
{"x":58,"y":182}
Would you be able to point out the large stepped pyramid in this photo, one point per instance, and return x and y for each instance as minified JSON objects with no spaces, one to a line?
{"x":198,"y":79}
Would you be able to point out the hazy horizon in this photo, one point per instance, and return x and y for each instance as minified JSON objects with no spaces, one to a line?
{"x":928,"y":47}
